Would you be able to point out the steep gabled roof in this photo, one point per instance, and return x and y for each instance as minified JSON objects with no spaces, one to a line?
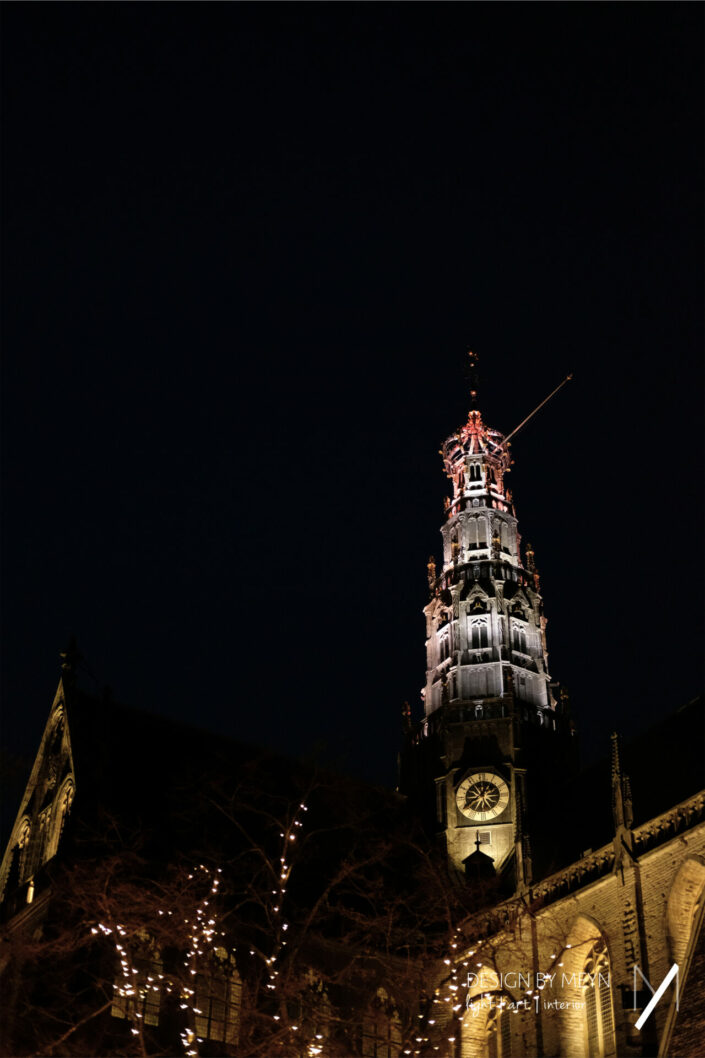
{"x":665,"y":765}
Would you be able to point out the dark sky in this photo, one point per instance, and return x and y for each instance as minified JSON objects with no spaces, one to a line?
{"x":246,"y":249}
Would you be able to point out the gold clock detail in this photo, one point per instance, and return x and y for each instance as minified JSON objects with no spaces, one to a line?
{"x":483,"y":795}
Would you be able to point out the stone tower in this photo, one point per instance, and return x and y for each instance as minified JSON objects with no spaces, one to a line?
{"x":491,"y":747}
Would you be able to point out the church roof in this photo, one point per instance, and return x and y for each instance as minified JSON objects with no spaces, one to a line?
{"x":665,"y":765}
{"x":170,"y":779}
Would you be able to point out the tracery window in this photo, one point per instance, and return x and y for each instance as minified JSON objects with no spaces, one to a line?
{"x":63,"y":807}
{"x":23,"y":843}
{"x":35,"y":854}
{"x":218,"y":998}
{"x":518,"y":638}
{"x":137,"y":989}
{"x":499,"y":1033}
{"x":311,"y":1011}
{"x":597,"y":995}
{"x":486,"y":1030}
{"x":478,"y":633}
{"x":476,"y":529}
{"x":57,"y":733}
{"x":471,"y":532}
{"x":381,"y":1030}
{"x":65,"y":803}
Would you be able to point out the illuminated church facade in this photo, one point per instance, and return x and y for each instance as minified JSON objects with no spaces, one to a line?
{"x":594,"y":899}
{"x":594,"y":906}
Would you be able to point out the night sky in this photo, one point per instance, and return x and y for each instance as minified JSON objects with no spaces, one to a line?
{"x":246,"y":250}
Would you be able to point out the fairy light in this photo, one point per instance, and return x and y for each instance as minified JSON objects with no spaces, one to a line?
{"x":286,"y":836}
{"x":132,"y":988}
{"x":202,"y":945}
{"x":134,"y":991}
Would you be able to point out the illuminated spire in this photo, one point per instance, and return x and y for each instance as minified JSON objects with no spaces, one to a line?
{"x":489,"y":700}
{"x":622,"y":812}
{"x":485,"y":624}
{"x":621,"y":790}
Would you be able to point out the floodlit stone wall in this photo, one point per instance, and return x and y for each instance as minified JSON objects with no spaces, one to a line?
{"x":647,"y":913}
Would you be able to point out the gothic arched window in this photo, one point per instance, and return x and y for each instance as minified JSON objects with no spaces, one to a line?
{"x":62,"y":808}
{"x":137,"y":994}
{"x":16,"y":859}
{"x":471,"y":530}
{"x":499,"y":1032}
{"x":23,"y":844}
{"x":381,"y":1029}
{"x":518,"y":638}
{"x":311,"y":1011}
{"x":44,"y":833}
{"x":597,"y":995}
{"x":66,"y":801}
{"x":478,"y":633}
{"x":685,"y":905}
{"x":218,"y":998}
{"x":36,"y":851}
{"x":486,"y":1030}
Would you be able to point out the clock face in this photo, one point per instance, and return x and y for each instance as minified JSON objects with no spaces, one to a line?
{"x":483,"y":795}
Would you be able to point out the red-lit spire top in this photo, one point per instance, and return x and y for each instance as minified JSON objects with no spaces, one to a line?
{"x":476,"y":436}
{"x":476,"y":458}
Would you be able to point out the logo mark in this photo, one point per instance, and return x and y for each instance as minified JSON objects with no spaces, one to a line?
{"x":655,"y":996}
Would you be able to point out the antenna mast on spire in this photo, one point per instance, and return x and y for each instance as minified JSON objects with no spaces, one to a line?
{"x":538,"y":408}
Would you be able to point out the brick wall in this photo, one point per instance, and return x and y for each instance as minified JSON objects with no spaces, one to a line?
{"x":644,"y":913}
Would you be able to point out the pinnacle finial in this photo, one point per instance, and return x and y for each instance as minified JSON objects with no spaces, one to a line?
{"x":431,"y":570}
{"x":616,"y":763}
{"x":406,"y":717}
{"x":474,"y":378}
{"x":70,"y":658}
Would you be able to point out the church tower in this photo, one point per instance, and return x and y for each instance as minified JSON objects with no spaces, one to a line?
{"x":493,"y":737}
